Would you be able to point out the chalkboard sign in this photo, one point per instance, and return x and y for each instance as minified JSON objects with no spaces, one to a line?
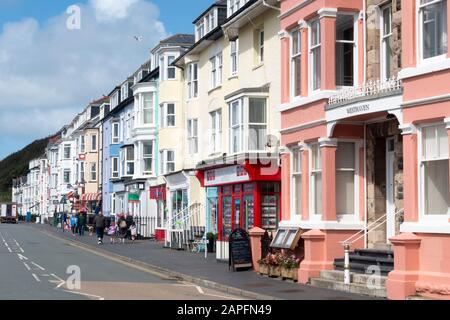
{"x":240,"y":251}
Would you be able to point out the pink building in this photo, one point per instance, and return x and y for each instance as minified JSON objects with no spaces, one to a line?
{"x":365,"y":119}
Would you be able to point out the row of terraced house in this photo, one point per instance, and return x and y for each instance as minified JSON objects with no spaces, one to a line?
{"x":325,"y":122}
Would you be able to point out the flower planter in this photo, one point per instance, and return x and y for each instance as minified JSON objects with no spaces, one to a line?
{"x":289,"y":273}
{"x":275,"y":271}
{"x":263,"y":269}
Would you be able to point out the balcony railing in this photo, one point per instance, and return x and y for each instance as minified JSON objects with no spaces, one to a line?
{"x":370,"y":89}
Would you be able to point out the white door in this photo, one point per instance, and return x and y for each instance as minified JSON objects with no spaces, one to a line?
{"x":390,"y":205}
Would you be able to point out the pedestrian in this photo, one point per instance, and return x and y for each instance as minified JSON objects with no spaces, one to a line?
{"x":122,"y":228}
{"x":73,"y":223}
{"x":100,"y":224}
{"x":82,"y":219}
{"x":63,"y":220}
{"x":133,"y":231}
{"x":112,"y":233}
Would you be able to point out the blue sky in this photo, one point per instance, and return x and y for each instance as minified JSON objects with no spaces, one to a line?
{"x":37,"y":55}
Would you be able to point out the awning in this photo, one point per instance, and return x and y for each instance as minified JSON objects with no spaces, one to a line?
{"x":91,"y":197}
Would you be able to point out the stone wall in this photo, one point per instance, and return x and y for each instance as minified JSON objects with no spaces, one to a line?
{"x":373,"y":37}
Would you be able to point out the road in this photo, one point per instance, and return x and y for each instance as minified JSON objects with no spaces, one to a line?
{"x":34,"y":265}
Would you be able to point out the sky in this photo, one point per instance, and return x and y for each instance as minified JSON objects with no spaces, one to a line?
{"x":50,"y":69}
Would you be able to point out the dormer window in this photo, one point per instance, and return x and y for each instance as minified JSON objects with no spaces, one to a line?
{"x":115,"y":100}
{"x":124,"y":91}
{"x":206,"y":24}
{"x":235,"y":5}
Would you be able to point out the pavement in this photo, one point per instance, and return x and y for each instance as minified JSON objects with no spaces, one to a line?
{"x":194,"y":268}
{"x":38,"y":266}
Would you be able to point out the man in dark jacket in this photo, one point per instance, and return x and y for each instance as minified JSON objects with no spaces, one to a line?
{"x":82,"y":220}
{"x":100,"y":225}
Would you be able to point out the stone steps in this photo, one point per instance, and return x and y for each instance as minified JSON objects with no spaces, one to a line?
{"x":334,"y":280}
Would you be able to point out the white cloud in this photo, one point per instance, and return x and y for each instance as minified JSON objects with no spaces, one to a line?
{"x":49,"y":73}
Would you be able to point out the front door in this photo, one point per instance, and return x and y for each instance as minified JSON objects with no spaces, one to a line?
{"x":390,"y":204}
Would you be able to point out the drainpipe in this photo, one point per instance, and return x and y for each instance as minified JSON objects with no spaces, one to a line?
{"x":270,"y":6}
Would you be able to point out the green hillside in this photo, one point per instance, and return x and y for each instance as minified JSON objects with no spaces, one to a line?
{"x":16,"y":165}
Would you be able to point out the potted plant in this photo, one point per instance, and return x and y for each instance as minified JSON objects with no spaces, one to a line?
{"x":211,"y":237}
{"x":274,"y":260}
{"x":263,"y":266}
{"x":289,"y":267}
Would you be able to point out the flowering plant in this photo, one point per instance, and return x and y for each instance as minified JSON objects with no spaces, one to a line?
{"x":280,"y":259}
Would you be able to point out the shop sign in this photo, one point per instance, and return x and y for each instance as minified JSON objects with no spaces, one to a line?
{"x":133,"y":197}
{"x":232,"y":174}
{"x":158,"y":193}
{"x":240,"y":255}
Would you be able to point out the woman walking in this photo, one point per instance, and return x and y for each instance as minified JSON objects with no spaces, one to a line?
{"x":123,"y":228}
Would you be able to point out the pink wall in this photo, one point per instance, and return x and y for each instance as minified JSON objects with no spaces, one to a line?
{"x":420,"y":88}
{"x":285,"y":186}
{"x":408,"y":33}
{"x":305,"y":184}
{"x":329,"y":183}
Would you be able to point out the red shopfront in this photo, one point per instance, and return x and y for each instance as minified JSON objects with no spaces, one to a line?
{"x":246,"y":197}
{"x":158,"y":193}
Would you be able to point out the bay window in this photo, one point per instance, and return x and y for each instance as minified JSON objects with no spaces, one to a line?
{"x":316,"y":180}
{"x":147,"y":157}
{"x":171,"y":74}
{"x":82,"y":144}
{"x":296,"y":181}
{"x":432,"y":28}
{"x":248,"y":124}
{"x":128,"y":160}
{"x":216,"y":131}
{"x":296,"y":57}
{"x":115,"y":132}
{"x":434,"y":171}
{"x":82,"y":171}
{"x":192,"y":126}
{"x":114,"y":167}
{"x":345,"y":178}
{"x":386,"y":36}
{"x":147,"y":108}
{"x":192,"y":78}
{"x":315,"y":48}
{"x":345,"y":50}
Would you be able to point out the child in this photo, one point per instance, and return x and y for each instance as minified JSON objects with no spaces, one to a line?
{"x":133,"y":231}
{"x":112,"y":231}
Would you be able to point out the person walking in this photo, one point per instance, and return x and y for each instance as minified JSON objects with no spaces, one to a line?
{"x":100,"y":225}
{"x":82,"y":220}
{"x":122,"y":228}
{"x":133,"y":231}
{"x":112,"y":233}
{"x":73,"y":223}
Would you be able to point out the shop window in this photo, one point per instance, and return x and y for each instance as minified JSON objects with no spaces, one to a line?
{"x":434,"y":164}
{"x":270,"y":199}
{"x":227,"y":214}
{"x":432,"y":28}
{"x":286,"y":238}
{"x":314,"y":50}
{"x":296,"y":61}
{"x":386,"y":37}
{"x":316,"y":180}
{"x":345,"y":178}
{"x":296,"y":181}
{"x":345,"y":50}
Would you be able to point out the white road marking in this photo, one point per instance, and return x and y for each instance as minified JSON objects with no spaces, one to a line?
{"x":9,"y":249}
{"x":85,"y":294}
{"x":18,"y":245}
{"x":21,"y":257}
{"x":36,"y":277}
{"x":200,"y":290}
{"x":34,"y":263}
{"x":26,"y":265}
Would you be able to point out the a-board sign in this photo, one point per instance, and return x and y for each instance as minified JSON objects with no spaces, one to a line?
{"x":240,"y":255}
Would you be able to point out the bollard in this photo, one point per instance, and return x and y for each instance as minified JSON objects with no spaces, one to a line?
{"x":346,"y":264}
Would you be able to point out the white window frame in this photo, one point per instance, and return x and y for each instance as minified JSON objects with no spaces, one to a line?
{"x":234,"y":57}
{"x":419,"y":32}
{"x":68,"y":172}
{"x":144,"y":108}
{"x":261,"y":42}
{"x":164,"y":163}
{"x":313,"y":48}
{"x":384,"y":39}
{"x":216,"y":63}
{"x":355,"y":49}
{"x":82,"y":144}
{"x":169,"y":67}
{"x":444,"y":218}
{"x":216,"y":131}
{"x":126,"y":161}
{"x":124,"y":91}
{"x":295,"y":55}
{"x":94,"y":138}
{"x":148,"y":156}
{"x":294,"y":192}
{"x":312,"y":172}
{"x":93,"y":171}
{"x":355,"y":216}
{"x":82,"y":171}
{"x":192,"y":80}
{"x":192,"y":136}
{"x":164,"y":115}
{"x":64,"y":151}
{"x":115,"y":138}
{"x":115,"y":173}
{"x":238,"y":126}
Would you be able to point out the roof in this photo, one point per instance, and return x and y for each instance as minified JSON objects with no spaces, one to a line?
{"x":217,"y":3}
{"x":179,"y":39}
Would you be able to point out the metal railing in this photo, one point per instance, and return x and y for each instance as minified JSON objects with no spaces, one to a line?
{"x":145,"y":226}
{"x":368,"y":89}
{"x":358,"y":236}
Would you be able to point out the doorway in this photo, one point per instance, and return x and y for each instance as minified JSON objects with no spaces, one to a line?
{"x":390,"y":199}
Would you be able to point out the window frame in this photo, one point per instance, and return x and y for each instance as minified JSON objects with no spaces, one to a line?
{"x":82,"y":144}
{"x":150,"y":156}
{"x":64,"y":151}
{"x":151,"y":109}
{"x":311,"y":52}
{"x":312,"y":181}
{"x":421,"y":177}
{"x":164,"y":163}
{"x":384,"y":38}
{"x":192,"y":136}
{"x":115,"y":174}
{"x":169,"y":67}
{"x":355,"y":48}
{"x":94,"y":139}
{"x":294,"y":56}
{"x":297,"y":151}
{"x":192,"y":80}
{"x":82,"y":171}
{"x":115,"y":139}
{"x":234,"y":58}
{"x":164,"y":115}
{"x":215,"y":118}
{"x":419,"y":32}
{"x":127,"y":161}
{"x":216,"y":63}
{"x":93,"y":171}
{"x":66,"y":171}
